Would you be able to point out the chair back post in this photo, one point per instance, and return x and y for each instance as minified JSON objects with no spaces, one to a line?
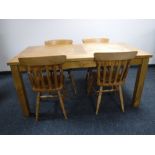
{"x":58,"y":42}
{"x":95,"y":40}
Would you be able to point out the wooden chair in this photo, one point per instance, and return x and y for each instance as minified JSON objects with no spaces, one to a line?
{"x":112,"y":69}
{"x":90,"y":41}
{"x":58,"y":42}
{"x":46,"y":77}
{"x":95,"y":40}
{"x":50,"y":43}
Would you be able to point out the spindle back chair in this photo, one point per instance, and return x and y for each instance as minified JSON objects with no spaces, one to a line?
{"x":46,"y":76}
{"x":90,"y":41}
{"x":57,"y":42}
{"x":95,"y":40}
{"x":112,"y":69}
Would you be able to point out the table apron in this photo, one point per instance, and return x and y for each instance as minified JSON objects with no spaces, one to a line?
{"x":86,"y":64}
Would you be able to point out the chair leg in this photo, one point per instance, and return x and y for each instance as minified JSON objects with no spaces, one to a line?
{"x":73,"y":81}
{"x":62,"y":104}
{"x":99,"y":99}
{"x":37,"y":106}
{"x":121,"y":98}
{"x":90,"y":85}
{"x":64,"y":91}
{"x":87,"y":74}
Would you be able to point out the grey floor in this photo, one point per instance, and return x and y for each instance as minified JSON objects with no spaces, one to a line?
{"x":80,"y":109}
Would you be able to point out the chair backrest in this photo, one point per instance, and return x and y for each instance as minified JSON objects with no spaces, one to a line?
{"x":95,"y":40}
{"x":112,"y":68}
{"x":58,"y":42}
{"x":45,"y":73}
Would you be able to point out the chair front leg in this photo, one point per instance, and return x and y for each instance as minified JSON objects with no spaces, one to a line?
{"x":90,"y":84}
{"x":62,"y":104}
{"x":99,"y":99}
{"x":37,"y":106}
{"x":72,"y":81}
{"x":121,"y":98}
{"x":89,"y":71}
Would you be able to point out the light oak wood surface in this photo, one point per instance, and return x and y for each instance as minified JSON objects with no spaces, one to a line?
{"x":78,"y":56}
{"x":77,"y":51}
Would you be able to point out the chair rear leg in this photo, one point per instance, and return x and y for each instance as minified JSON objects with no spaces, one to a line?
{"x":37,"y":106}
{"x":121,"y":98}
{"x":62,"y":104}
{"x":88,"y":73}
{"x":99,"y":99}
{"x":73,"y":81}
{"x":90,"y":85}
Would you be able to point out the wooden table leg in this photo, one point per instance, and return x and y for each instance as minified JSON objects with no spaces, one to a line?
{"x":139,"y":84}
{"x":18,"y":82}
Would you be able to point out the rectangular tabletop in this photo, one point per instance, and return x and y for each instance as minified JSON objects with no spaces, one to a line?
{"x":76,"y":51}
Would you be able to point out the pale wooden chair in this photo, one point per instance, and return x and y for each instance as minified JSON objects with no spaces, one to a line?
{"x":102,"y":40}
{"x":111,"y":72}
{"x":58,"y":42}
{"x":46,"y":77}
{"x":95,"y":40}
{"x":50,"y":43}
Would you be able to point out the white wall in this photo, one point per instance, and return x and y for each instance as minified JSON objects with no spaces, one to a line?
{"x":15,"y":35}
